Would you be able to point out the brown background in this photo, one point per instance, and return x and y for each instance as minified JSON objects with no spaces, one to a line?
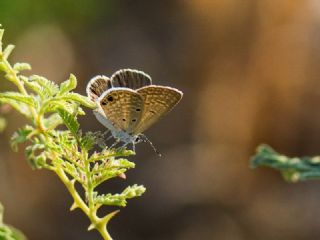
{"x":249,"y":71}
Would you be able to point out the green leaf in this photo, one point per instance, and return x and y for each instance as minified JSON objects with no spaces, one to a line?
{"x":68,"y":85}
{"x":88,"y":141}
{"x":69,"y":120}
{"x":52,"y":104}
{"x":7,"y":51}
{"x":134,"y":191}
{"x":292,"y":169}
{"x":8,"y":232}
{"x":80,"y":99}
{"x":49,"y":87}
{"x":34,"y":86}
{"x":3,"y":124}
{"x":71,"y":169}
{"x":20,"y":136}
{"x":20,"y":107}
{"x":52,"y":121}
{"x":121,"y":163}
{"x":120,"y":199}
{"x":21,"y":67}
{"x":29,"y":100}
{"x":1,"y":35}
{"x":36,"y":155}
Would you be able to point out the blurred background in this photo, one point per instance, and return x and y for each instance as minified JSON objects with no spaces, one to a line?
{"x":249,"y":73}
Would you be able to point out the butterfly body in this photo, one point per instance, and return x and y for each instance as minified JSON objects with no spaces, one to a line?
{"x":128,"y":103}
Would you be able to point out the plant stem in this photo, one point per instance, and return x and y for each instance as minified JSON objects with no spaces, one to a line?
{"x":95,"y":220}
{"x":104,"y":233}
{"x":11,"y":75}
{"x":89,"y":210}
{"x":70,"y":186}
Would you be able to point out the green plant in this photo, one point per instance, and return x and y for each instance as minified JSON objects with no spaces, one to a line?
{"x":8,"y":232}
{"x":293,"y":169}
{"x":68,"y":153}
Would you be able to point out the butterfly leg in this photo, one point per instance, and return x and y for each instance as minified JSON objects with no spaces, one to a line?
{"x":115,"y":143}
{"x":108,"y":138}
{"x":133,"y":146}
{"x":124,"y":145}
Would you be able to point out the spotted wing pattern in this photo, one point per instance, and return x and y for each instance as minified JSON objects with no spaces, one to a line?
{"x":158,"y":100}
{"x":122,"y":107}
{"x":97,"y":86}
{"x":130,"y":78}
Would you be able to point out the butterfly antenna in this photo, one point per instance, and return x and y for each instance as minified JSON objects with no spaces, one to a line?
{"x":145,"y":139}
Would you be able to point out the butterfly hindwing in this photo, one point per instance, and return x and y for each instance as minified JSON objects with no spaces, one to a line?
{"x":97,"y":86}
{"x":123,"y":107}
{"x":130,"y":78}
{"x":158,"y":100}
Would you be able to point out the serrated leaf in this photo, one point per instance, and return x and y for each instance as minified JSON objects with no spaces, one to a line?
{"x":80,"y":99}
{"x":7,"y":51}
{"x":51,"y":105}
{"x":29,"y":100}
{"x":68,"y":85}
{"x":69,"y":120}
{"x":111,"y":200}
{"x":122,"y":163}
{"x":49,"y":87}
{"x":88,"y":141}
{"x":71,"y":169}
{"x":21,"y":66}
{"x":134,"y":191}
{"x":293,"y":169}
{"x":20,"y":107}
{"x":35,"y":155}
{"x":20,"y":136}
{"x":34,"y":86}
{"x":120,"y":199}
{"x":52,"y":121}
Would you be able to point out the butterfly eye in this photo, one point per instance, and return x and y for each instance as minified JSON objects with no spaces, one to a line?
{"x":123,"y":119}
{"x":133,"y":120}
{"x":138,"y":109}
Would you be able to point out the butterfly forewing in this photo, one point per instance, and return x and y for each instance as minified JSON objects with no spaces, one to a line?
{"x":97,"y":86}
{"x":123,"y":107}
{"x":130,"y":78}
{"x":158,"y":100}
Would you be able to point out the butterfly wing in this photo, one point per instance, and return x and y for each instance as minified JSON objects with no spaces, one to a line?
{"x":158,"y":100}
{"x":97,"y":86}
{"x":130,"y":78}
{"x":122,"y":107}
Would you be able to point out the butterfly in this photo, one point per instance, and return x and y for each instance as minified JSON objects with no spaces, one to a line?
{"x":128,"y":103}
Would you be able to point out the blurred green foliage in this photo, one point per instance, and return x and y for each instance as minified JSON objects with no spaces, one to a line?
{"x":75,"y":15}
{"x":293,"y":169}
{"x":8,"y":232}
{"x":3,"y":124}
